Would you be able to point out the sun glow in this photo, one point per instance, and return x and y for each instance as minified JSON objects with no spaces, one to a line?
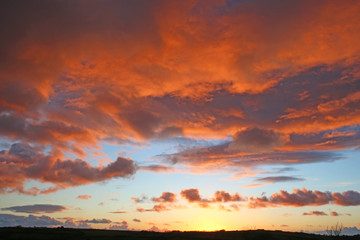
{"x":207,"y":221}
{"x":209,"y":227}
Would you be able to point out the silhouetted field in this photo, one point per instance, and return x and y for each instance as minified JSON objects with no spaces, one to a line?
{"x":89,"y":234}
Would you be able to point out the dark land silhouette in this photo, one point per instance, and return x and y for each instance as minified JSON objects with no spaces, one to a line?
{"x":15,"y":233}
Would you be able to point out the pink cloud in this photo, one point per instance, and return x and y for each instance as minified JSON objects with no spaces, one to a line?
{"x":156,"y":208}
{"x":165,"y":197}
{"x":139,"y":200}
{"x":304,"y":197}
{"x":334,"y":214}
{"x":167,"y":200}
{"x":192,"y":195}
{"x":157,"y":168}
{"x":160,"y":208}
{"x":140,"y":209}
{"x":315,"y":213}
{"x":348,"y":198}
{"x":222,"y":196}
{"x":84,"y":197}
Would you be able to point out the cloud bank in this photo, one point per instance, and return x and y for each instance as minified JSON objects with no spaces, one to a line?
{"x":270,"y":83}
{"x":36,"y":208}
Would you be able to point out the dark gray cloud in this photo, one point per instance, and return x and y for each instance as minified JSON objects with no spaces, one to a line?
{"x":142,"y":122}
{"x":36,"y":208}
{"x":170,"y":132}
{"x":96,"y":221}
{"x":216,"y":155}
{"x":120,"y":226}
{"x":9,"y":220}
{"x":255,"y":140}
{"x":20,"y":94}
{"x":281,"y":170}
{"x":276,"y":179}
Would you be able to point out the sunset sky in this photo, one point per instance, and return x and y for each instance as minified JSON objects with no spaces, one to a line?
{"x":180,"y":115}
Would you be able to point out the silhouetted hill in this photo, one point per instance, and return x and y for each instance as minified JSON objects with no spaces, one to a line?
{"x":15,"y":233}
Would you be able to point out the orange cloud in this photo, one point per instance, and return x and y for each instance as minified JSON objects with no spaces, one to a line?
{"x":279,"y":79}
{"x":192,"y":195}
{"x":230,"y":202}
{"x":97,"y":76}
{"x":23,"y":162}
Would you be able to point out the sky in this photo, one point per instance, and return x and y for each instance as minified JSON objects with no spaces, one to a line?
{"x":180,"y":115}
